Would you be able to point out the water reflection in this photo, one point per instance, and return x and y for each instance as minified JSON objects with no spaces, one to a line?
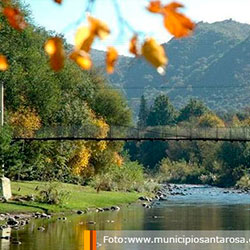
{"x":5,"y":235}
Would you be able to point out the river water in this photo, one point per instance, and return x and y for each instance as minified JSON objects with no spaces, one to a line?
{"x":202,"y":208}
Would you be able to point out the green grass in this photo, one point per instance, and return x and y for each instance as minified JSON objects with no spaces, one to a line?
{"x":80,"y":198}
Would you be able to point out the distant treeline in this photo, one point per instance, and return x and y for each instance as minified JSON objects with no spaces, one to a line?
{"x":221,"y":163}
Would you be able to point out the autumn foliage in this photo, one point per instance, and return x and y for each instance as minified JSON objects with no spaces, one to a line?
{"x":112,"y":56}
{"x":80,"y":160}
{"x":133,"y":47}
{"x":25,"y":122}
{"x":175,"y":22}
{"x":54,"y":48}
{"x":58,"y":1}
{"x":3,"y":63}
{"x":89,"y":154}
{"x":154,"y":53}
{"x":211,"y":121}
{"x":14,"y":17}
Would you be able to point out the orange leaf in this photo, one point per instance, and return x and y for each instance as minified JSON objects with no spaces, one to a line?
{"x":98,"y":28}
{"x":58,"y":1}
{"x":15,"y":18}
{"x":112,"y":57}
{"x":154,"y":53}
{"x":85,"y":36}
{"x":82,"y":59}
{"x":3,"y":63}
{"x":84,"y":39}
{"x":133,"y":46}
{"x":54,"y":48}
{"x":155,"y":7}
{"x":176,"y":23}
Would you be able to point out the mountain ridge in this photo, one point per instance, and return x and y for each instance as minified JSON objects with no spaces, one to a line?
{"x":212,"y":65}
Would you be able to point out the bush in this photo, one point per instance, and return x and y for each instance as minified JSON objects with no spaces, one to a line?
{"x":244,"y":182}
{"x":128,"y":177}
{"x":53,"y":194}
{"x":180,"y":172}
{"x":151,"y":186}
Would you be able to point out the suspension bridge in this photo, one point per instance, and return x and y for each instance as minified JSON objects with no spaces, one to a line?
{"x":122,"y":133}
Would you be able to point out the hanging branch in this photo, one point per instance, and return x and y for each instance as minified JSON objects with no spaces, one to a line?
{"x":175,"y":22}
{"x":123,"y":22}
{"x":75,"y":24}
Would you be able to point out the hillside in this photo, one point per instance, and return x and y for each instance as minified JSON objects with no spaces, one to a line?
{"x":212,"y":65}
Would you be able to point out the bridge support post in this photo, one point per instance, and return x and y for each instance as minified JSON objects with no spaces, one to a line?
{"x":5,"y":187}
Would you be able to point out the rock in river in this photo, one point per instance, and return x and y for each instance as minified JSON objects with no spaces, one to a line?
{"x":91,"y":222}
{"x":80,"y":212}
{"x":12,"y":222}
{"x":115,"y":208}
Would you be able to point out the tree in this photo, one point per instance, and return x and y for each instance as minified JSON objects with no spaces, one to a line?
{"x":111,"y":105}
{"x":194,"y":108}
{"x":151,"y":153}
{"x":235,"y":158}
{"x":39,"y":100}
{"x":162,"y":112}
{"x":9,"y":151}
{"x":211,"y":120}
{"x":143,"y":113}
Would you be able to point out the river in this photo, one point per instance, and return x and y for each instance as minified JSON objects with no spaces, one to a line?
{"x":201,"y":208}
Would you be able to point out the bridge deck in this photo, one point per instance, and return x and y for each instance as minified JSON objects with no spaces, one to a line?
{"x":121,"y":133}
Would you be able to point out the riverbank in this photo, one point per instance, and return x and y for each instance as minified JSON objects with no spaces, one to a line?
{"x":78,"y":198}
{"x":186,"y":207}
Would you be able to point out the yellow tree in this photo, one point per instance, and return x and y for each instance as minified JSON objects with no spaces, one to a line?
{"x":88,"y":156}
{"x":211,"y":120}
{"x":25,"y":122}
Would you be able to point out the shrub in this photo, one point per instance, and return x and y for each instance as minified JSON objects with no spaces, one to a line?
{"x":128,"y":177}
{"x":151,"y":186}
{"x":53,"y":193}
{"x":180,"y":172}
{"x":244,"y":182}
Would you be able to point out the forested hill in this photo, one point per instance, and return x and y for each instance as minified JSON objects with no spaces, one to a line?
{"x":213,"y":65}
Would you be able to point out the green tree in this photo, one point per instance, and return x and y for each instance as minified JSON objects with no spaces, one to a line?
{"x":9,"y":151}
{"x":235,"y":158}
{"x":194,"y":108}
{"x":162,"y":112}
{"x":111,"y":105}
{"x":143,"y":113}
{"x":151,"y":153}
{"x":63,"y":102}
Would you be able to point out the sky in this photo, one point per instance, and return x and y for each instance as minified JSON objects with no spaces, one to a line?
{"x":63,"y":18}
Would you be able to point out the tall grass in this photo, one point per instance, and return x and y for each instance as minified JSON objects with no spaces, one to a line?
{"x":128,"y":178}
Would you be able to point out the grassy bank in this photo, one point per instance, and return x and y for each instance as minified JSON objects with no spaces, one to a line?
{"x":79,"y":198}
